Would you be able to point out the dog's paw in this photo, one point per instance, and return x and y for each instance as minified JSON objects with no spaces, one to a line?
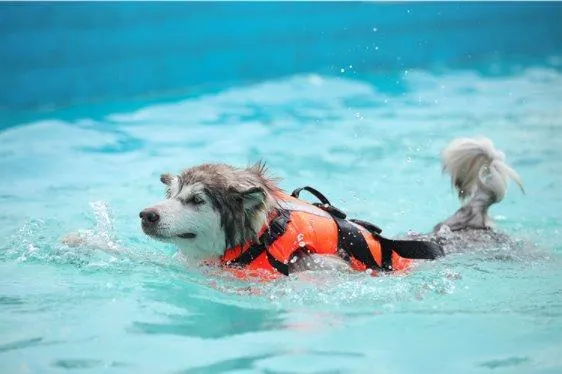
{"x":90,"y":239}
{"x":77,"y":238}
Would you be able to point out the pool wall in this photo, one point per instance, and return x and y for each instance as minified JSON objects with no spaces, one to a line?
{"x":60,"y":54}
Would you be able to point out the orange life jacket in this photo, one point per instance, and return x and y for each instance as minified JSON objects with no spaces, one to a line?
{"x":297,"y":225}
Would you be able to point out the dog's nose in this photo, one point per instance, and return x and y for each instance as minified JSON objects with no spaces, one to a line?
{"x":149,"y":216}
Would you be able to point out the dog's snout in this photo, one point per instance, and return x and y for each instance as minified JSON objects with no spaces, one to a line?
{"x":149,"y":216}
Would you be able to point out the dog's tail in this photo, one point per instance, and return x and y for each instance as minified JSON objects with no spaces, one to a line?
{"x":479,"y":173}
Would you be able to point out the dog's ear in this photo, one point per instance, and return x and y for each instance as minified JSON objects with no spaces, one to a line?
{"x":253,"y":198}
{"x":166,"y":178}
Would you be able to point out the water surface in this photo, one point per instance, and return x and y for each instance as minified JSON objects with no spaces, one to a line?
{"x":371,"y":143}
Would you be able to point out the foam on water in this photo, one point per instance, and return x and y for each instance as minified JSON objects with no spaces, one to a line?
{"x":372,"y":145}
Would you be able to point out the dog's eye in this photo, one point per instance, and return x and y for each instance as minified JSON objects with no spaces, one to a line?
{"x":197,"y":200}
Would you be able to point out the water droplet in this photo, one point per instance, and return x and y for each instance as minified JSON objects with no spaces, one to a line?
{"x":351,"y":66}
{"x":375,"y":29}
{"x":376,"y":48}
{"x":342,"y":70}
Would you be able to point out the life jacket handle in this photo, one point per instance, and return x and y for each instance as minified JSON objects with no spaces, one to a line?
{"x":324,"y":202}
{"x":319,"y":195}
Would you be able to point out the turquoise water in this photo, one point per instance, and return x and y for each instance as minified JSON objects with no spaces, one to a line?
{"x":371,"y":143}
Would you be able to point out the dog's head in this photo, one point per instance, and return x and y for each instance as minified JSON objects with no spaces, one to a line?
{"x":209,"y":208}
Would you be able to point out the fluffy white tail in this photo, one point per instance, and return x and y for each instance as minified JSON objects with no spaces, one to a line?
{"x":479,"y":172}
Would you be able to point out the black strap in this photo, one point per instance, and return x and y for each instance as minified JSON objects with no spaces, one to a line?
{"x":248,"y":255}
{"x":277,"y":265}
{"x":414,"y":249}
{"x":386,"y":255}
{"x":368,"y":225}
{"x":352,"y":243}
{"x":276,"y":228}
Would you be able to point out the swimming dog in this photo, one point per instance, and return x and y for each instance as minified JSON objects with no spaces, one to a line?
{"x":242,"y":217}
{"x":212,"y":208}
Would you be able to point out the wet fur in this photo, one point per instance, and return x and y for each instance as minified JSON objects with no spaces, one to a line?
{"x":242,"y":197}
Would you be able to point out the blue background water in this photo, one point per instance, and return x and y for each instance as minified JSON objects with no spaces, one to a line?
{"x":357,"y":99}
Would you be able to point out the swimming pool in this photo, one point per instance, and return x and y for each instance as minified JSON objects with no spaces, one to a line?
{"x":368,"y":138}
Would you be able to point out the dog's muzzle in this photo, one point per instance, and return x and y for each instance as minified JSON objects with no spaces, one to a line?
{"x":149,"y":221}
{"x":149,"y":216}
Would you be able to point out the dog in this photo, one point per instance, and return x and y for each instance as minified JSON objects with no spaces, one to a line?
{"x":213,"y":207}
{"x":237,"y":216}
